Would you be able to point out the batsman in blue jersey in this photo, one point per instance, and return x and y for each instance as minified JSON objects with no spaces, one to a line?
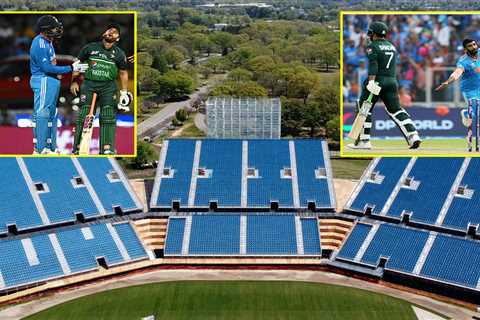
{"x":45,"y":84}
{"x":468,"y":71}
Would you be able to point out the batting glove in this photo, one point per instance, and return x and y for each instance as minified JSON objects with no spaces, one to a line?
{"x":77,"y":66}
{"x":373,"y":87}
{"x":125,"y":99}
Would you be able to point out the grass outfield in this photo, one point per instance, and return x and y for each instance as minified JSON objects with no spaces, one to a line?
{"x":233,"y":300}
{"x":447,"y":147}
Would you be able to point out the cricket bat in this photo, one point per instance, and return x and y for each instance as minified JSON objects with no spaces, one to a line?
{"x":88,"y":128}
{"x":361,"y":117}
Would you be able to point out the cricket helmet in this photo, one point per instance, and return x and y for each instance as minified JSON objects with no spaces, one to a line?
{"x":50,"y":26}
{"x":378,"y":28}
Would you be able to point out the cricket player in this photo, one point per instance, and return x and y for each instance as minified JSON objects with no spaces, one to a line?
{"x":468,"y":71}
{"x":106,"y":61}
{"x":45,"y":84}
{"x":382,"y":83}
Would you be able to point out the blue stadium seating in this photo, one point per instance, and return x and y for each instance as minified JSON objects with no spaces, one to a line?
{"x":215,"y":234}
{"x":220,"y":235}
{"x":354,"y":241}
{"x":174,"y":241}
{"x":130,"y":240}
{"x":269,"y":157}
{"x":16,"y":198}
{"x":311,"y":236}
{"x":454,"y":260}
{"x":436,"y":176}
{"x":377,"y":194}
{"x":180,"y":159}
{"x":225,"y":161}
{"x":62,"y":200}
{"x":310,"y":156}
{"x":403,"y":247}
{"x":111,"y":194}
{"x":14,"y":265}
{"x":271,"y":235}
{"x":81,"y":254}
{"x":463,"y":211}
{"x":224,"y":158}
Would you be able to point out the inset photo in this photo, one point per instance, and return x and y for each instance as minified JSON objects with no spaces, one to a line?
{"x":67,"y":83}
{"x":410,"y":84}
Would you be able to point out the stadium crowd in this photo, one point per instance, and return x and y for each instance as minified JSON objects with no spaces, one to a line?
{"x":17,"y":32}
{"x":422,"y":40}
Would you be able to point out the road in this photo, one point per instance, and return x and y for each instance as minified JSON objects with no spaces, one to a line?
{"x":159,"y":121}
{"x":199,"y":121}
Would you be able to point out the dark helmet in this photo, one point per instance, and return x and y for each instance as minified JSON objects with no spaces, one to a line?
{"x":378,"y":28}
{"x":50,"y":26}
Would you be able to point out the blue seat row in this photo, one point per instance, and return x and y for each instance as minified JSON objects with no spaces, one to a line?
{"x":37,"y":258}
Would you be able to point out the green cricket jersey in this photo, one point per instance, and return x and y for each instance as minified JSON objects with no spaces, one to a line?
{"x":103,"y":63}
{"x":382,"y":57}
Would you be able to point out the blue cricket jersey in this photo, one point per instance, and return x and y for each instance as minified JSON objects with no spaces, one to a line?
{"x":470,"y":80}
{"x":41,"y":56}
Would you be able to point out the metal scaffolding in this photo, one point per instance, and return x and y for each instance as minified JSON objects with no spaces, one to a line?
{"x":244,"y":117}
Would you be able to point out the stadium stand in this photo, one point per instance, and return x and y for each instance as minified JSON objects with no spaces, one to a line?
{"x":45,"y":256}
{"x":54,"y":190}
{"x":243,"y":174}
{"x":232,"y":234}
{"x":419,"y":253}
{"x":395,"y":187}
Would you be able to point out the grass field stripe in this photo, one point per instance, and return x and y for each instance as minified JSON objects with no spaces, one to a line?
{"x":118,"y":242}
{"x":424,"y":254}
{"x":299,"y":235}
{"x":293,"y":167}
{"x":244,"y":190}
{"x":328,"y":170}
{"x":453,"y":191}
{"x":193,"y":180}
{"x":33,"y":191}
{"x":126,"y":182}
{"x":158,"y":174}
{"x":59,"y":253}
{"x":243,"y":234}
{"x":366,"y":174}
{"x":186,"y":235}
{"x":398,"y":187}
{"x":88,"y":185}
{"x":363,"y":248}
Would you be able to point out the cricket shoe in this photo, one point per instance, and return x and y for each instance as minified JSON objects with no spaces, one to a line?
{"x":56,"y":151}
{"x":414,"y":141}
{"x":361,"y":145}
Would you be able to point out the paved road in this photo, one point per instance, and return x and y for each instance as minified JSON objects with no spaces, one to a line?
{"x":199,"y":121}
{"x":160,"y":120}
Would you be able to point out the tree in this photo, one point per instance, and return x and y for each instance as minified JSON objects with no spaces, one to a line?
{"x":174,"y":57}
{"x":145,"y":154}
{"x":160,"y":63}
{"x":147,"y":77}
{"x":302,"y":84}
{"x":173,"y":85}
{"x":239,"y":89}
{"x":240,"y":75}
{"x":144,"y":59}
{"x":181,"y":115}
{"x":224,"y":40}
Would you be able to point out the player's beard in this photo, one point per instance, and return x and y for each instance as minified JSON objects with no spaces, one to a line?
{"x":109,"y":39}
{"x":473,"y":53}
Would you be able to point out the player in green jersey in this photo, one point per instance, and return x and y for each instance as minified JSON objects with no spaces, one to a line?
{"x":106,"y":61}
{"x":382,"y":84}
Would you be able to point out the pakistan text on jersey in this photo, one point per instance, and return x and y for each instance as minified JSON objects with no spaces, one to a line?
{"x":101,"y":73}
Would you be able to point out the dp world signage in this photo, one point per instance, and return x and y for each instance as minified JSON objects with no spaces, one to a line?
{"x":430,"y":122}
